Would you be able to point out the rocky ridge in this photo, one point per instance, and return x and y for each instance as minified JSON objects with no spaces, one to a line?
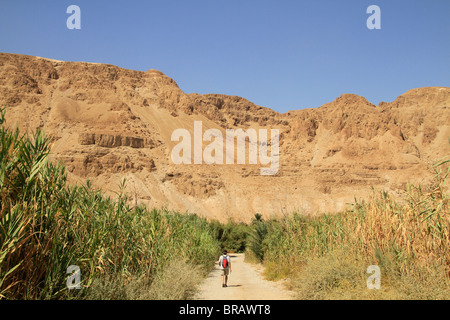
{"x":109,"y":123}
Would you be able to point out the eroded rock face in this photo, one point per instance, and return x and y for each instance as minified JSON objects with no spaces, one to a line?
{"x":108,"y":123}
{"x":112,"y":141}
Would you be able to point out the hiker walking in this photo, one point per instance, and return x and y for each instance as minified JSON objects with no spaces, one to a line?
{"x":225,"y":266}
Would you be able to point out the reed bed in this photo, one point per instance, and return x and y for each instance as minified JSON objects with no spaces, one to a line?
{"x":45,"y":227}
{"x":407,"y":238}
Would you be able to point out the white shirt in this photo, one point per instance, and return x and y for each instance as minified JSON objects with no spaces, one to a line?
{"x":221,"y":259}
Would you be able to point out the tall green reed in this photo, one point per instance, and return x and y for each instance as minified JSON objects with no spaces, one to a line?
{"x":46,"y":226}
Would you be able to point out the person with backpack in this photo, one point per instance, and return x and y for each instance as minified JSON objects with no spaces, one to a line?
{"x":225,"y":266}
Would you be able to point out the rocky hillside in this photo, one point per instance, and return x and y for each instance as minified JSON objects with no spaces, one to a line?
{"x":109,"y":123}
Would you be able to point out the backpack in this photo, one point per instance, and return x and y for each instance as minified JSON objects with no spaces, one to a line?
{"x":224,"y":262}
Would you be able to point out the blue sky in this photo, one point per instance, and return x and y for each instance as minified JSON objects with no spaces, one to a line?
{"x":285,"y":55}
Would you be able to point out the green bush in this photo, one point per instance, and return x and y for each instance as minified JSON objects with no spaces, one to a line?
{"x":257,"y":236}
{"x":232,"y":235}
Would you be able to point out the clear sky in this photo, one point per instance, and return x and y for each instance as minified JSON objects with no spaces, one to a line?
{"x":284,"y":55}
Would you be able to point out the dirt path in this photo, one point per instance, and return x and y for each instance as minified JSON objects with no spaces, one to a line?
{"x":244,"y":283}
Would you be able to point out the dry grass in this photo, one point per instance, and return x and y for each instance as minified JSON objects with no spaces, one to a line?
{"x":327,"y":256}
{"x":178,"y":281}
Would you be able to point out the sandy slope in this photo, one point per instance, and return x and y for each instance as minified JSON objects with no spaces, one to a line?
{"x":244,"y":283}
{"x":107,"y":123}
